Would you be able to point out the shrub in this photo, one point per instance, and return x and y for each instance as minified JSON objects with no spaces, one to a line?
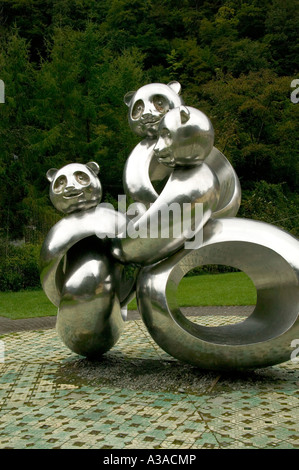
{"x":19,"y":267}
{"x":271,"y":203}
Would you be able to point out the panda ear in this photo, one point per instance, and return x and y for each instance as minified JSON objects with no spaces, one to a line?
{"x":175,"y":86}
{"x":51,"y":174}
{"x":128,"y":97}
{"x":185,"y":114}
{"x":93,"y":166}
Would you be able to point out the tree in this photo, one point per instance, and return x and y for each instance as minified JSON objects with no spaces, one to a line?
{"x":282,"y":32}
{"x":15,"y":131}
{"x":256,"y":111}
{"x":67,"y":64}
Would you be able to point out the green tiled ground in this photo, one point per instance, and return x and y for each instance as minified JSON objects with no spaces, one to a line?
{"x":52,"y":398}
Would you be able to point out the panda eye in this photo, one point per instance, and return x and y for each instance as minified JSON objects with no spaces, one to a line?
{"x":138,"y":109}
{"x":82,"y":178}
{"x":160,"y":103}
{"x":166,"y":135}
{"x":59,"y":184}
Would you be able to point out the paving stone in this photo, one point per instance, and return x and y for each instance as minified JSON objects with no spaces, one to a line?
{"x":51,"y":398}
{"x":27,"y":324}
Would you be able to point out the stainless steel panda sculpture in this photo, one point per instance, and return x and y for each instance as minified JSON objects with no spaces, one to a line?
{"x":175,"y":166}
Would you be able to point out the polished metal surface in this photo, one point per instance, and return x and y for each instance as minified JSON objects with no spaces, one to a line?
{"x":269,"y":256}
{"x":144,"y":177}
{"x":230,"y":190}
{"x":149,"y":104}
{"x":77,"y":276}
{"x":94,"y":259}
{"x":75,"y":187}
{"x":185,"y":138}
{"x":185,"y":188}
{"x":83,"y":282}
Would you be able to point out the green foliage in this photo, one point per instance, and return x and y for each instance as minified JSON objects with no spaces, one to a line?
{"x":269,"y":203}
{"x":256,"y":125}
{"x":282,"y":31}
{"x":211,"y":269}
{"x":67,"y":64}
{"x":19,"y":267}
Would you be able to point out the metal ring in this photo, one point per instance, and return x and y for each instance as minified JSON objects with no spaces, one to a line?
{"x":270,"y":257}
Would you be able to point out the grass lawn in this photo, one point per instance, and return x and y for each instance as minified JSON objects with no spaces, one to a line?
{"x":211,"y":289}
{"x":217,"y":289}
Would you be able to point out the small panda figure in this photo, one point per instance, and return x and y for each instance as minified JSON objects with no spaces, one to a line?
{"x":143,"y":175}
{"x":77,"y":272}
{"x":185,"y":137}
{"x":75,"y":187}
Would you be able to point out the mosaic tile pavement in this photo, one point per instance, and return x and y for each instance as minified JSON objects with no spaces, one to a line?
{"x":138,"y":397}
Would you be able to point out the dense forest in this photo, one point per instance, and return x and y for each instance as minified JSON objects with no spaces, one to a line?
{"x":67,"y":65}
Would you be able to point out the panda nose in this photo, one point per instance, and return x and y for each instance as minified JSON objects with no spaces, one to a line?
{"x":149,"y":117}
{"x":146,"y":116}
{"x":69,"y":188}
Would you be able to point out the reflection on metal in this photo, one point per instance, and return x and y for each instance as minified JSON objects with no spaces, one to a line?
{"x":149,"y":104}
{"x":185,"y":138}
{"x":269,"y":256}
{"x":230,"y":190}
{"x":83,"y":282}
{"x":76,"y":273}
{"x":75,"y":187}
{"x":91,"y":265}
